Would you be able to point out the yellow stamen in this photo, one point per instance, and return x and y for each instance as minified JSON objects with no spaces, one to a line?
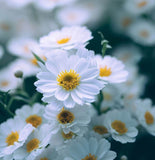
{"x":32,"y":145}
{"x":68,"y":80}
{"x":65,"y":116}
{"x":90,"y":157}
{"x":12,"y":138}
{"x":141,"y":4}
{"x":144,"y":33}
{"x":34,"y":61}
{"x":149,"y":118}
{"x":68,"y":135}
{"x":63,"y":41}
{"x":34,"y":120}
{"x":44,"y":158}
{"x":126,"y":22}
{"x":119,"y":127}
{"x":100,"y":130}
{"x":5,"y":27}
{"x":4,"y":83}
{"x":105,"y":72}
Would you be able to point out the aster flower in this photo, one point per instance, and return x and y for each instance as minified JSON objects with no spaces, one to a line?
{"x":32,"y":114}
{"x":72,"y":121}
{"x":66,"y":38}
{"x":121,"y":126}
{"x":111,"y":70}
{"x":70,"y":80}
{"x":13,"y":135}
{"x":145,"y":114}
{"x":84,"y":149}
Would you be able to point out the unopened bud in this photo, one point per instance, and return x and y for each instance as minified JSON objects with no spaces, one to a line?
{"x":124,"y":157}
{"x":18,"y":74}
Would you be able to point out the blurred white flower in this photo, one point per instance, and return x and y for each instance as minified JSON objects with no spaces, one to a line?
{"x":1,"y":52}
{"x":110,"y":69}
{"x":13,"y":135}
{"x":66,"y":38}
{"x":121,"y":125}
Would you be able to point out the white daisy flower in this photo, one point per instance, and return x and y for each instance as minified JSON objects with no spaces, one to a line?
{"x":32,"y":114}
{"x":139,"y":6}
{"x":13,"y":135}
{"x":110,"y":69}
{"x":145,"y":114}
{"x":73,"y":15}
{"x":21,"y":47}
{"x":1,"y":52}
{"x":70,"y":80}
{"x":121,"y":126}
{"x":48,"y":5}
{"x":128,"y":54}
{"x":97,"y":127}
{"x":34,"y":145}
{"x":71,"y":121}
{"x":7,"y":80}
{"x":84,"y":149}
{"x":66,"y":38}
{"x":142,"y":32}
{"x":48,"y":154}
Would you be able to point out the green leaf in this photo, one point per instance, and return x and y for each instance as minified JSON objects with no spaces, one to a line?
{"x":38,"y":58}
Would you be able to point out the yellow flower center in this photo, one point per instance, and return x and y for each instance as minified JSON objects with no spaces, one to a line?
{"x":44,"y":158}
{"x":107,"y":96}
{"x":90,"y":157}
{"x":119,"y":127}
{"x":68,"y":135}
{"x":5,"y":27}
{"x":34,"y":61}
{"x":34,"y":120}
{"x":144,"y":33}
{"x":12,"y":138}
{"x":126,"y":22}
{"x":65,"y":116}
{"x":149,"y":118}
{"x":100,"y":130}
{"x":68,"y":80}
{"x":26,"y":49}
{"x":105,"y":72}
{"x":63,"y":41}
{"x":141,"y":4}
{"x":4,"y":83}
{"x":32,"y":145}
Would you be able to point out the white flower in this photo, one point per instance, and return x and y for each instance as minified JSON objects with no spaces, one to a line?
{"x":110,"y":69}
{"x":21,"y":47}
{"x":143,"y":32}
{"x":73,"y":15}
{"x":7,"y":80}
{"x":48,"y":5}
{"x":34,"y":145}
{"x":121,"y":126}
{"x":145,"y":114}
{"x":139,"y":6}
{"x":1,"y":52}
{"x":66,"y":38}
{"x":97,"y":127}
{"x":48,"y":154}
{"x":72,"y":121}
{"x":70,"y":80}
{"x":128,"y":54}
{"x":82,"y":148}
{"x":13,"y":135}
{"x":32,"y":114}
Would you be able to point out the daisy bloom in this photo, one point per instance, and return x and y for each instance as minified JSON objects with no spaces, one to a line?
{"x":139,"y":6}
{"x":145,"y":114}
{"x":71,"y":121}
{"x":32,"y":114}
{"x":142,"y":32}
{"x":84,"y":149}
{"x":73,"y":15}
{"x":1,"y":52}
{"x":34,"y":145}
{"x":70,"y":80}
{"x":111,"y":70}
{"x":66,"y":38}
{"x":13,"y":135}
{"x":121,"y":126}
